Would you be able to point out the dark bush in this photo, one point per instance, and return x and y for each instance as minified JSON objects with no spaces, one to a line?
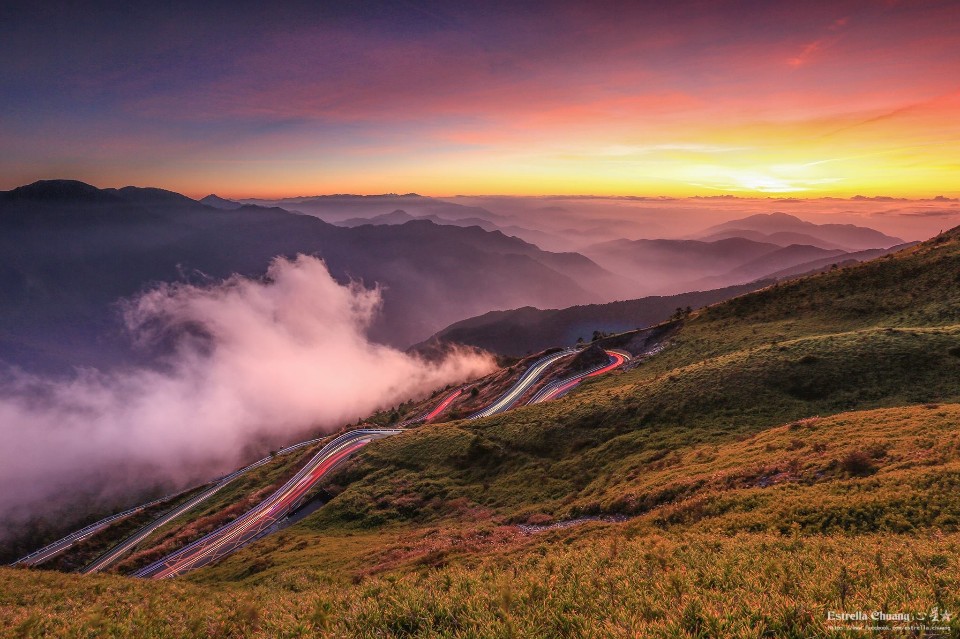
{"x":858,"y":463}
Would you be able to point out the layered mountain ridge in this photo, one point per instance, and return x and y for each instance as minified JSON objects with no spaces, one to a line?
{"x":72,"y":251}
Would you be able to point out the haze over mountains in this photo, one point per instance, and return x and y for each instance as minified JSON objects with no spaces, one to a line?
{"x":73,"y":252}
{"x":784,"y":229}
{"x":337,"y":208}
{"x":560,"y":223}
{"x":654,"y":267}
{"x":668,"y":267}
{"x":526,"y":330}
{"x":358,"y":210}
{"x":590,"y":220}
{"x":743,"y":265}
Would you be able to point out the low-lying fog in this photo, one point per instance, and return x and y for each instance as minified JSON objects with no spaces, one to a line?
{"x":582,"y":220}
{"x":262,"y":361}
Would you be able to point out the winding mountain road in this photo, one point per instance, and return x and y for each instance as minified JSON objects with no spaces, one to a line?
{"x":114,"y":554}
{"x":561,"y":387}
{"x":277,"y":506}
{"x":442,"y":406}
{"x":528,"y":379}
{"x":426,"y":417}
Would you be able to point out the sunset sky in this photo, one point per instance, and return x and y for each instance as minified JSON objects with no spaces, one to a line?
{"x":440,"y":97}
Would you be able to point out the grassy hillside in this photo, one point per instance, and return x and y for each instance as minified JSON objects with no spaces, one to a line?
{"x":790,"y":452}
{"x":725,"y":565}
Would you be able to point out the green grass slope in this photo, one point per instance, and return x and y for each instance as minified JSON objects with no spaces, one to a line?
{"x":881,"y":334}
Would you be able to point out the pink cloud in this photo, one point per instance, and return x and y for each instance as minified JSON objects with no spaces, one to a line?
{"x":805,"y":54}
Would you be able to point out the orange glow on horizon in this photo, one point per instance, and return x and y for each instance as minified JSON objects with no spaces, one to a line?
{"x":883,"y":152}
{"x":673,"y":99}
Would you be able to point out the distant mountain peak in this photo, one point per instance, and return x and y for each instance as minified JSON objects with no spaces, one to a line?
{"x":60,"y":191}
{"x":780,"y":215}
{"x":218,"y":202}
{"x":776,"y":216}
{"x":397,"y":216}
{"x":150,"y":195}
{"x":788,"y":229}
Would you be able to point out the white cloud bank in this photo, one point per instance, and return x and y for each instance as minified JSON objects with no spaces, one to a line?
{"x":254,"y":360}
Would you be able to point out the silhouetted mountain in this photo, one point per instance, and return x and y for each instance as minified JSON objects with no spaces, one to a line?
{"x":395,"y":217}
{"x":401,"y":217}
{"x":156,"y":198}
{"x":521,"y":331}
{"x":539,"y":238}
{"x":56,"y":191}
{"x":218,"y":202}
{"x":781,"y":238}
{"x":70,"y":251}
{"x":846,"y":236}
{"x":337,"y":208}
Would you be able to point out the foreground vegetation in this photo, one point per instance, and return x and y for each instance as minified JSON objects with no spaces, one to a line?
{"x":763,"y":537}
{"x":597,"y":581}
